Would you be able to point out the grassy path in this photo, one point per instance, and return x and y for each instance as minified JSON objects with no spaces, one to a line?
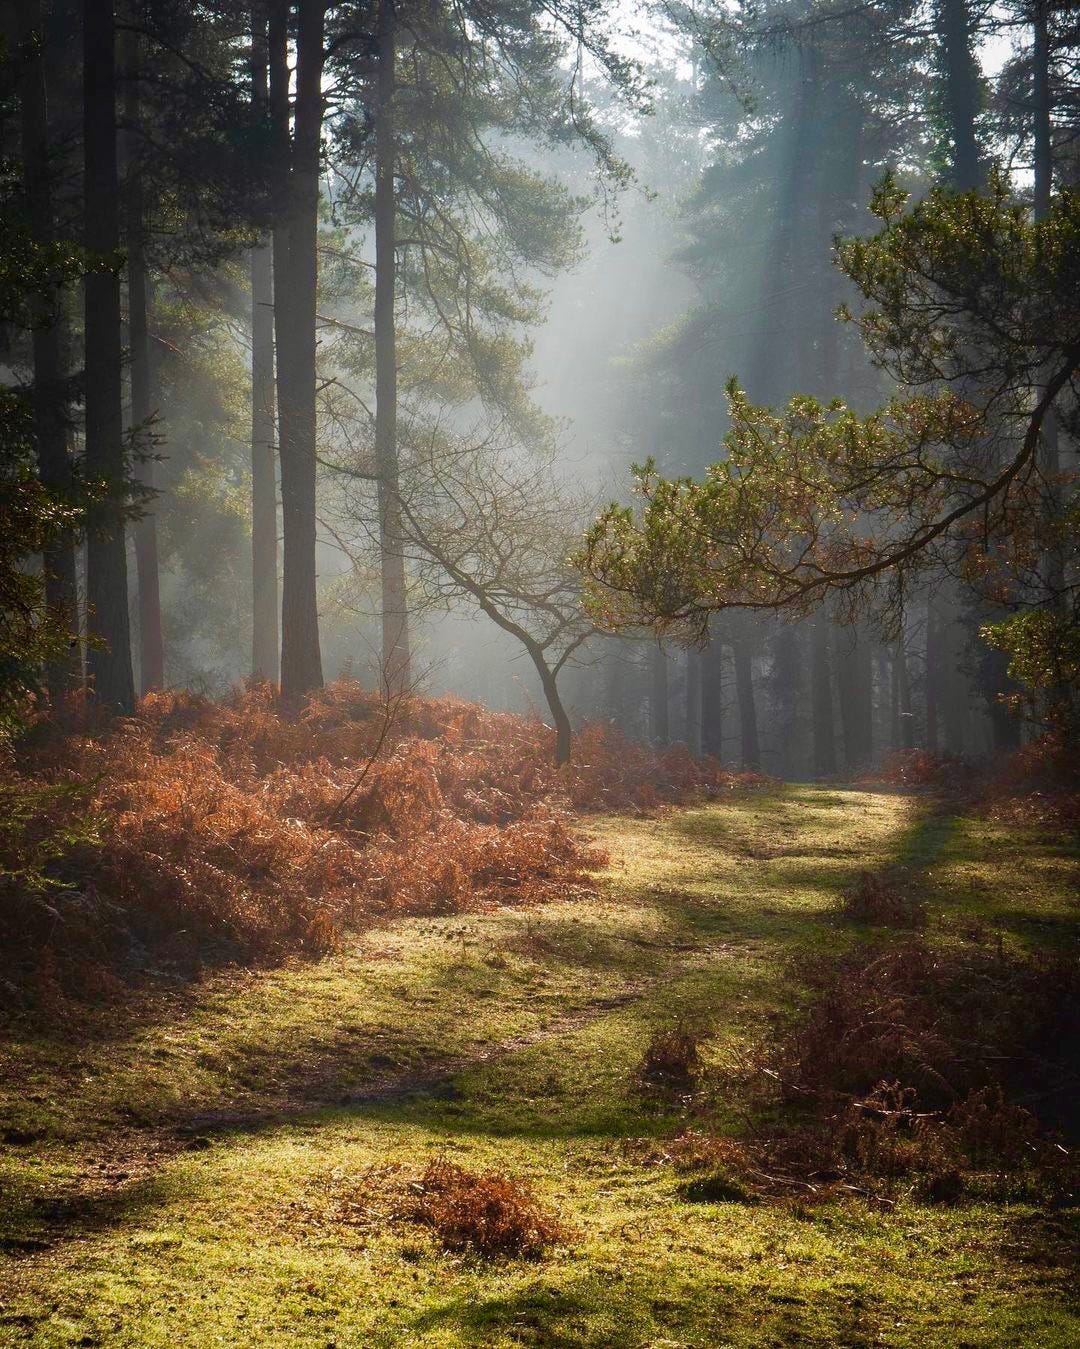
{"x":202,"y":1170}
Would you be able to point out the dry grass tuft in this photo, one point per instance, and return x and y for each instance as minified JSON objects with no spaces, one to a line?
{"x":672,"y":1060}
{"x":486,"y":1212}
{"x":873,"y":900}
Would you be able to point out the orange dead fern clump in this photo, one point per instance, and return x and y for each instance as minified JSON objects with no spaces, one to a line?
{"x":256,"y":834}
{"x":486,"y":1212}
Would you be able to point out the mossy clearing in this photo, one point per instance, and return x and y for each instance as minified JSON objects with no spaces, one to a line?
{"x":194,"y":1170}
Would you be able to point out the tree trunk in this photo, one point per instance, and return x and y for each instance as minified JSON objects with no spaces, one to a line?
{"x":692,"y":728}
{"x":151,"y":642}
{"x":932,"y":678}
{"x":295,"y":318}
{"x":855,"y":685}
{"x":658,"y":698}
{"x":109,"y":661}
{"x":50,"y":395}
{"x":821,"y":700}
{"x":785,"y":684}
{"x":264,"y":526}
{"x":395,"y":617}
{"x":959,"y":68}
{"x":563,"y":729}
{"x":744,"y":693}
{"x":712,"y":697}
{"x":907,"y":721}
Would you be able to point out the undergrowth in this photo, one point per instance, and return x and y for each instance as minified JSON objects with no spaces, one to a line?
{"x":942,"y":1071}
{"x":228,"y":829}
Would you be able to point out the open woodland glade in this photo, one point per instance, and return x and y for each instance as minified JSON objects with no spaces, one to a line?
{"x":539,"y":672}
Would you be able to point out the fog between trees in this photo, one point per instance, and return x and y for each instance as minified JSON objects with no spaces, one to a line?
{"x":380,"y":303}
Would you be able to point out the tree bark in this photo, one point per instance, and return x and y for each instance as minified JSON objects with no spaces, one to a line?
{"x":712,"y":697}
{"x":821,"y":700}
{"x":295,"y":286}
{"x":692,"y":725}
{"x":563,"y":729}
{"x":906,"y":739}
{"x":109,"y":660}
{"x":932,"y":678}
{"x":855,"y":686}
{"x":744,"y":693}
{"x":954,"y":26}
{"x":151,"y":641}
{"x":659,"y":723}
{"x":51,"y":430}
{"x":264,"y":525}
{"x":395,"y":617}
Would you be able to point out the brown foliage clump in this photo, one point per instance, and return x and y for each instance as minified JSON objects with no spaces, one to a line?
{"x":672,"y":1059}
{"x":1037,"y":785}
{"x":873,"y":900}
{"x":924,"y":768}
{"x":942,"y":1021}
{"x":486,"y":1212}
{"x":929,"y":1065}
{"x":253,"y":833}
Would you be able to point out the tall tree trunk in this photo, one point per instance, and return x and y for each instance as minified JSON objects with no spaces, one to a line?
{"x":550,"y":684}
{"x":692,"y":731}
{"x":264,"y":525}
{"x":109,"y":660}
{"x":821,"y":700}
{"x":659,"y":724}
{"x":785,"y":684}
{"x":774,"y":368}
{"x":744,"y":694}
{"x":1053,"y":565}
{"x":50,"y":397}
{"x":961,"y":76}
{"x":712,"y":696}
{"x":295,"y":318}
{"x":932,"y":678}
{"x":855,"y":686}
{"x":151,"y":641}
{"x":395,"y":616}
{"x":907,"y":721}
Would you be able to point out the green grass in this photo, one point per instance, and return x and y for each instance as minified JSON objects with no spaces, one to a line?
{"x":187,"y":1157}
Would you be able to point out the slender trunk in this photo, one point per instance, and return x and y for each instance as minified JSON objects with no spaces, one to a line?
{"x":395,"y":617}
{"x":264,"y":527}
{"x":1053,"y":566}
{"x":744,"y":693}
{"x":894,"y":699}
{"x":151,"y":642}
{"x":774,"y":368}
{"x":658,"y":698}
{"x":693,"y":701}
{"x":907,"y":720}
{"x":954,"y":26}
{"x":295,"y":319}
{"x":1042,"y":127}
{"x":51,"y":430}
{"x":712,"y":697}
{"x":855,"y":686}
{"x":785,"y":683}
{"x":932,"y":676}
{"x":109,"y":662}
{"x":563,"y":729}
{"x":821,"y":700}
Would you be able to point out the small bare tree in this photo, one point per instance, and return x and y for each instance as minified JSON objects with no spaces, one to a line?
{"x":492,"y":524}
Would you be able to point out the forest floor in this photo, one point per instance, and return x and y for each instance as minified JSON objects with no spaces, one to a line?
{"x":224,"y":1162}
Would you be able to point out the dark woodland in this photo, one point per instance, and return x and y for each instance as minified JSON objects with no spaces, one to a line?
{"x":539,"y":672}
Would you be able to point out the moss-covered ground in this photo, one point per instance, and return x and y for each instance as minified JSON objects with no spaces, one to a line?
{"x":194,"y":1168}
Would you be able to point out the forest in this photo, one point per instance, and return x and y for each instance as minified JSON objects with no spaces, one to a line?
{"x":539,"y":672}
